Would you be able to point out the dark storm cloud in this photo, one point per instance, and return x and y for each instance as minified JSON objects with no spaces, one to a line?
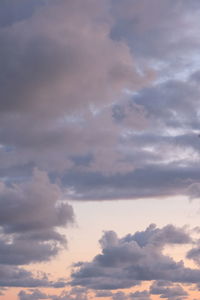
{"x":127,"y":261}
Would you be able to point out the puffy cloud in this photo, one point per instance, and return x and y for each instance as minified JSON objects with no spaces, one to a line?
{"x":194,"y":254}
{"x":168,"y":290}
{"x":102,"y":294}
{"x":33,"y":206}
{"x":31,"y":213}
{"x":35,"y":295}
{"x":144,"y":295}
{"x":59,"y":55}
{"x":124,"y":262}
{"x":68,"y":77}
{"x":60,"y":69}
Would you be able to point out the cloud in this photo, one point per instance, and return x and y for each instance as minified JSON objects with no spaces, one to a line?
{"x":35,"y":295}
{"x":102,"y":294}
{"x":143,"y":295}
{"x":74,"y":294}
{"x":125,"y":262}
{"x":104,"y":98}
{"x":168,"y":290}
{"x":11,"y":276}
{"x":33,"y":206}
{"x":60,"y":69}
{"x":78,"y":81}
{"x":31,"y":214}
{"x":194,"y":254}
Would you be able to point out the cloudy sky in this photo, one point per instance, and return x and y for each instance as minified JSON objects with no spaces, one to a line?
{"x":99,"y":149}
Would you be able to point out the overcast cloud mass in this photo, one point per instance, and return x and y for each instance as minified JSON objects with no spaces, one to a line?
{"x":99,"y":101}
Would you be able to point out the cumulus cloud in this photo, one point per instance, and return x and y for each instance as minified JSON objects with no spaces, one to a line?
{"x":194,"y":254}
{"x":31,"y":213}
{"x":61,"y":70}
{"x":124,"y":262}
{"x":168,"y":290}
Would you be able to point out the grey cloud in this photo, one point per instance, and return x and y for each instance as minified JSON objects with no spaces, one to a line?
{"x":194,"y":254}
{"x":102,"y":294}
{"x":33,"y":205}
{"x":52,"y":71}
{"x":146,"y":28}
{"x":73,"y":294}
{"x":12,"y":12}
{"x":119,"y":296}
{"x":144,"y":295}
{"x":138,"y":295}
{"x":47,"y":62}
{"x":127,"y":261}
{"x":160,"y":237}
{"x":17,"y":277}
{"x":31,"y":213}
{"x":168,"y":290}
{"x":149,"y":181}
{"x":35,"y":295}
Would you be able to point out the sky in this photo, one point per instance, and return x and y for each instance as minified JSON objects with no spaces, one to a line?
{"x":99,"y":149}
